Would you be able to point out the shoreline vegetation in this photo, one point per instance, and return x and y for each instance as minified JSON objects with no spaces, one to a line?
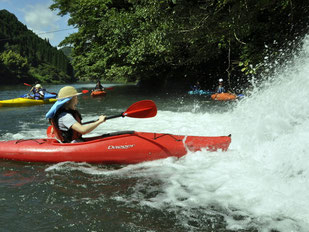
{"x":158,"y":44}
{"x":25,"y":57}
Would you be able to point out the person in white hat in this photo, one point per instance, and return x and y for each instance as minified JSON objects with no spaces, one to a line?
{"x":38,"y":92}
{"x":220,"y":88}
{"x":65,"y":118}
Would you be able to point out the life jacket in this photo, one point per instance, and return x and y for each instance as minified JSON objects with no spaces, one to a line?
{"x":220,"y":89}
{"x":36,"y":93}
{"x":66,"y":136}
{"x":98,"y":87}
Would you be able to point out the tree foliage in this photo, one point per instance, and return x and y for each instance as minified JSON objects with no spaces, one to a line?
{"x":22,"y":50}
{"x":15,"y":62}
{"x":14,"y":66}
{"x":155,"y":39}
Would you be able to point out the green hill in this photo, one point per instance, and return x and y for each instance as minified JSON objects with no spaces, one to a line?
{"x":26,"y":57}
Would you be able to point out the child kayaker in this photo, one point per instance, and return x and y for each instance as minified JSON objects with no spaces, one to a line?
{"x":220,"y":88}
{"x":38,"y":92}
{"x":66,"y":120}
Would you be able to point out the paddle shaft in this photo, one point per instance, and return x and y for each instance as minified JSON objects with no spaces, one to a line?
{"x":109,"y":117}
{"x":29,"y":86}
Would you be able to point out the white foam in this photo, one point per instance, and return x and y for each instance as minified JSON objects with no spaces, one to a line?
{"x":264,"y":177}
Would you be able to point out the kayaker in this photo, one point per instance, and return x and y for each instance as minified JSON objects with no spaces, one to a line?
{"x":66,"y":120}
{"x":38,"y":92}
{"x":196,"y":86}
{"x":220,"y":88}
{"x":98,"y":86}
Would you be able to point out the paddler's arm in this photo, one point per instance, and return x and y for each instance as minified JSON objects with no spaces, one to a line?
{"x":84,"y":129}
{"x":41,"y":93}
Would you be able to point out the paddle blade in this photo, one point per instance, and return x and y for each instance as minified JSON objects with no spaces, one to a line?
{"x":141,"y":109}
{"x":85,"y":91}
{"x":49,"y":132}
{"x":27,"y":84}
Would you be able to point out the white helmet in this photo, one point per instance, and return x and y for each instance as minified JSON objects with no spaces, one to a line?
{"x":38,"y":86}
{"x":220,"y":80}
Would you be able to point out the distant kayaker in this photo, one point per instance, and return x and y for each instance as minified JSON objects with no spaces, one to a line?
{"x":38,"y":92}
{"x":220,"y":88}
{"x":98,"y":86}
{"x":66,"y":120}
{"x":196,"y":86}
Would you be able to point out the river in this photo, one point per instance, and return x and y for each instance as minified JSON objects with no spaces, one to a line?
{"x":260,"y":184}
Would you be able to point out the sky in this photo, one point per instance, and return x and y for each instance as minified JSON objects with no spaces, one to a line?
{"x":37,"y":16}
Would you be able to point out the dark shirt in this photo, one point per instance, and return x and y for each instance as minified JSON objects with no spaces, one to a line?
{"x":99,"y":86}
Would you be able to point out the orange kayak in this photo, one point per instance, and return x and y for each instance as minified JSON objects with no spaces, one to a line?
{"x":223,"y":96}
{"x":98,"y":93}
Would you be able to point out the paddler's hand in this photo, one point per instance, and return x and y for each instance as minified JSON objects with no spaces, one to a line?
{"x":102,"y":118}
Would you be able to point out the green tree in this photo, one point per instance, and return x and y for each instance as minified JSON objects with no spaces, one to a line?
{"x":15,"y":37}
{"x":15,"y":63}
{"x":154,"y":39}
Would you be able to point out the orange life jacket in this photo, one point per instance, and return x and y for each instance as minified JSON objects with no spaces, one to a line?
{"x":66,"y":136}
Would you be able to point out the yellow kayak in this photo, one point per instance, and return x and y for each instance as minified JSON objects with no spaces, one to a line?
{"x":25,"y":102}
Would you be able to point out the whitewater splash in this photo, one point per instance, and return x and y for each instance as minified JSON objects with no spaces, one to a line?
{"x":261,"y":182}
{"x":264,"y":177}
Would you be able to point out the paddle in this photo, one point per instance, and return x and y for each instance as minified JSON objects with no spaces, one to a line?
{"x":27,"y":84}
{"x":87,"y":91}
{"x":140,"y":109}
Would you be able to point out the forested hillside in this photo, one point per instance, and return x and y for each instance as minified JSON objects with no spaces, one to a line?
{"x":67,"y":51}
{"x":26,"y":57}
{"x":166,"y":41}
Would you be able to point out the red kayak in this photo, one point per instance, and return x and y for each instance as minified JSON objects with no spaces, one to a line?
{"x":97,"y":93}
{"x":125,"y":147}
